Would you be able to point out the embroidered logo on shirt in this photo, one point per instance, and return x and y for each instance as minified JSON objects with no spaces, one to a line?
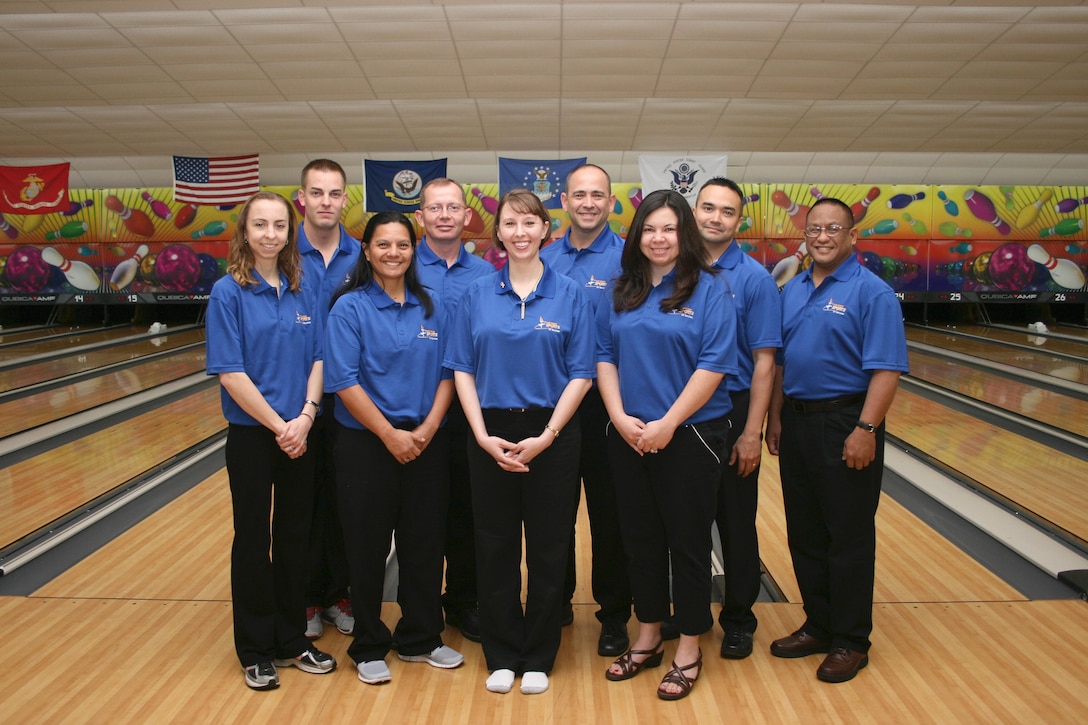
{"x":598,"y":284}
{"x":833,"y":306}
{"x":549,"y":326}
{"x":425,"y":334}
{"x":685,"y":312}
{"x":301,"y":318}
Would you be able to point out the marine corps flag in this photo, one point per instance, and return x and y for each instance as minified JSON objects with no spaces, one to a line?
{"x":396,"y":185}
{"x":34,"y":189}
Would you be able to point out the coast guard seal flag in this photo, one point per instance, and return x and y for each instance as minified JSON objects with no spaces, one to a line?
{"x":396,"y":185}
{"x":681,"y":173}
{"x":545,"y":178}
{"x":34,"y":189}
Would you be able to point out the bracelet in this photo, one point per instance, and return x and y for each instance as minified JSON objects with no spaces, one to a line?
{"x":317,"y":406}
{"x":553,"y":430}
{"x":307,"y":415}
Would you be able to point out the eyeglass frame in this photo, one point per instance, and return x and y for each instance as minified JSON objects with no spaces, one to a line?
{"x":448,"y":208}
{"x":813,"y":231}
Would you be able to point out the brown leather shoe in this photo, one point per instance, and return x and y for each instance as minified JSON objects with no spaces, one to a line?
{"x":799,"y":644}
{"x":841,"y":665}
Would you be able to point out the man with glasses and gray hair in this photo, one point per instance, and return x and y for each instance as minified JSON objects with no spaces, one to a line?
{"x":843,"y":351}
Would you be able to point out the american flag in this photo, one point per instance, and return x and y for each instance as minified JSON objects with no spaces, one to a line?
{"x":216,"y":181}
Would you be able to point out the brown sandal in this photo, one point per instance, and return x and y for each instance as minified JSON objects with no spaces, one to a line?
{"x":676,"y":676}
{"x":629,"y":668}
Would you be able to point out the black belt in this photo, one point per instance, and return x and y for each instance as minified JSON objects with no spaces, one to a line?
{"x":824,"y":406}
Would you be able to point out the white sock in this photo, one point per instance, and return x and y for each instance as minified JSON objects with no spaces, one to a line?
{"x":500,"y":681}
{"x":534,"y":683}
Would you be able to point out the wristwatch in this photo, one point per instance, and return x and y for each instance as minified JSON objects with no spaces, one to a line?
{"x":868,"y":427}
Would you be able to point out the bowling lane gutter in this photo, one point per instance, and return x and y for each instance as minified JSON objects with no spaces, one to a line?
{"x":1049,"y":333}
{"x":91,"y":347}
{"x":1047,"y":381}
{"x":69,"y":332}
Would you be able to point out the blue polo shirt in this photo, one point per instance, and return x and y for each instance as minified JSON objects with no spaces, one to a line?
{"x":834,"y":337}
{"x":657,"y":352}
{"x":274,"y":340}
{"x":449,"y":282}
{"x":326,"y":280}
{"x":522,"y":362}
{"x":595,"y":268}
{"x":391,"y":350}
{"x":759,"y":310}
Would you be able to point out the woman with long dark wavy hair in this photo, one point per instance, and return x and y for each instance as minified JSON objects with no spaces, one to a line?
{"x":384,"y":362}
{"x":663,"y":347}
{"x":265,"y":343}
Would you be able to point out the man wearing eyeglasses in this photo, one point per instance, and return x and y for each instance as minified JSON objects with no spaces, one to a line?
{"x":719,"y":209}
{"x":329,"y":254}
{"x":843,"y":351}
{"x":589,"y":253}
{"x":447,"y":268}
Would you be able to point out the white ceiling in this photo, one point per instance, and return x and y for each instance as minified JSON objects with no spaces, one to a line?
{"x":929,"y":91}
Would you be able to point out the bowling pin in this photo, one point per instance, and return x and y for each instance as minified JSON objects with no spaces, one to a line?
{"x":635,"y":195}
{"x":185,"y":216}
{"x":32,"y":222}
{"x":949,"y":205}
{"x":489,"y":203}
{"x":949,"y":229}
{"x":75,"y":207}
{"x":884,"y":226}
{"x":916,"y":226}
{"x":354,"y":216}
{"x":617,"y":208}
{"x":1067,"y":205}
{"x":1030,"y":213}
{"x":158,"y":208}
{"x":79,"y":274}
{"x":815,"y":191}
{"x":861,"y":207}
{"x":70,"y":230}
{"x":125,"y":272}
{"x":983,"y":208}
{"x":902,"y":201}
{"x":10,"y":231}
{"x":750,"y":198}
{"x":474,"y":223}
{"x":1075,"y":249}
{"x":745,"y":224}
{"x":1063,"y":228}
{"x":212,"y":228}
{"x":134,"y":220}
{"x":787,"y":267}
{"x":1064,"y":272}
{"x":961,"y":248}
{"x":798,"y":213}
{"x":1008,"y":191}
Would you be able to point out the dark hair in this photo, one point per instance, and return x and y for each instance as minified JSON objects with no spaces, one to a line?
{"x":240,"y":260}
{"x":575,"y":170}
{"x":522,"y":201}
{"x":363,"y":275}
{"x":840,"y":204}
{"x":728,"y":184}
{"x":634,"y":284}
{"x":322,"y":165}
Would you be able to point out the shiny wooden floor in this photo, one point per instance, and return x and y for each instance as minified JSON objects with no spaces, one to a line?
{"x":140,"y":630}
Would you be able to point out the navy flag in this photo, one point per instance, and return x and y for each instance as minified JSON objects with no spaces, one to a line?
{"x":396,"y":185}
{"x":545,"y":178}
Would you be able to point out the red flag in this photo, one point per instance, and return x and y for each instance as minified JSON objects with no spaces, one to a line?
{"x":34,"y":189}
{"x":216,"y":181}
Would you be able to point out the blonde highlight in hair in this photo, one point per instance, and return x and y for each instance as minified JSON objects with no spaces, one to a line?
{"x":240,"y":260}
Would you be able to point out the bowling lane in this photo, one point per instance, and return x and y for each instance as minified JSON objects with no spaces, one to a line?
{"x":18,"y":337}
{"x":39,"y":490}
{"x":1038,"y":361}
{"x":47,"y":406}
{"x":1057,"y":345}
{"x":1050,"y":407}
{"x":57,"y":344}
{"x":31,"y":374}
{"x":1048,"y":483}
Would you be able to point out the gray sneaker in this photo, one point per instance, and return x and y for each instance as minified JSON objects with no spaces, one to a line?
{"x":443,"y":657}
{"x":373,"y":672}
{"x":314,"y":628}
{"x":311,"y":660}
{"x":341,"y":615}
{"x":262,"y":676}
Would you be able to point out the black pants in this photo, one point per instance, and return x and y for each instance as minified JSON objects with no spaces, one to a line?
{"x":460,"y":591}
{"x":268,"y":594}
{"x":327,"y":563}
{"x":831,"y":522}
{"x":379,"y":496}
{"x":667,"y":502}
{"x":738,"y":498}
{"x":611,"y":588}
{"x":543,"y":501}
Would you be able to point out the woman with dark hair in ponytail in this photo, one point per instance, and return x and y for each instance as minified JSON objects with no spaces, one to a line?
{"x":384,"y":362}
{"x":663,"y":347}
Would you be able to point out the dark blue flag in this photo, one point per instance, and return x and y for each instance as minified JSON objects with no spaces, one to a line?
{"x":395,"y":185}
{"x":546,"y":178}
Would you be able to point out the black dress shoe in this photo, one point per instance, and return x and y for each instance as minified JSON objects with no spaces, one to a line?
{"x":799,"y":644}
{"x":737,"y":645}
{"x":841,"y":665}
{"x":568,"y":617}
{"x":467,"y":620}
{"x":614,"y":640}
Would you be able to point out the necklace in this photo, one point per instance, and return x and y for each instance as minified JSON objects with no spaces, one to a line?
{"x":530,"y":293}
